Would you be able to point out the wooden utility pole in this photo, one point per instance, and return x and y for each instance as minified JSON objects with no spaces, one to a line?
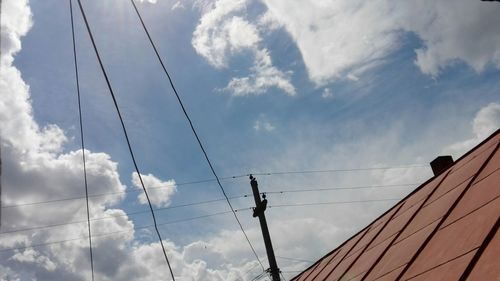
{"x":258,"y":211}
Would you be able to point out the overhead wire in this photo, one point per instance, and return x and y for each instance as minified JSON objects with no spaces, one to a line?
{"x":271,"y":191}
{"x":120,"y":231}
{"x":108,"y":83}
{"x":77,"y":79}
{"x":110,"y":193}
{"x":333,"y":170}
{"x":333,"y":203}
{"x":198,"y":203}
{"x":336,"y":188}
{"x":184,"y":220}
{"x":294,"y":259}
{"x":122,"y":215}
{"x":194,"y":131}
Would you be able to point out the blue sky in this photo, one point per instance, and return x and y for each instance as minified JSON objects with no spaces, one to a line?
{"x":270,"y":86}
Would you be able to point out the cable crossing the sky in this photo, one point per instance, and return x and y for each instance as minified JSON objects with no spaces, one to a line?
{"x":198,"y":203}
{"x":194,"y":131}
{"x":108,"y":83}
{"x":77,"y":78}
{"x":271,"y":191}
{"x":199,"y":182}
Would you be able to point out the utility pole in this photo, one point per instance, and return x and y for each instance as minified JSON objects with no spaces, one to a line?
{"x":258,"y":211}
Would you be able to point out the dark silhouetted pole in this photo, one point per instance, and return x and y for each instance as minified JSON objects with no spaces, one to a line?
{"x":258,"y":211}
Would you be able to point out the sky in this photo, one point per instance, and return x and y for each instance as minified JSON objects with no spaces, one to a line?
{"x":270,"y":85}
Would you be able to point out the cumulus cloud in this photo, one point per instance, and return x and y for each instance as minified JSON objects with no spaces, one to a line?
{"x":160,"y":192}
{"x":37,"y":167}
{"x":341,"y":38}
{"x":486,"y":121}
{"x":223,"y":32}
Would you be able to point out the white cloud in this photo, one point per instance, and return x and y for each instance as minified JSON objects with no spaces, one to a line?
{"x":222,"y":32}
{"x":178,"y":6}
{"x":211,"y":39}
{"x":327,"y":93}
{"x":456,"y":31}
{"x":160,"y":192}
{"x":36,"y":167}
{"x":263,"y":125}
{"x":263,"y":76}
{"x":486,"y":121}
{"x":337,"y":38}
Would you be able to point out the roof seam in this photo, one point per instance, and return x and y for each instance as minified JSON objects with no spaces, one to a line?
{"x":381,"y":256}
{"x":431,"y":235}
{"x":476,"y":148}
{"x":474,"y":157}
{"x":389,"y":272}
{"x":448,"y":191}
{"x":369,"y":243}
{"x":443,"y":263}
{"x":329,"y":261}
{"x":342,"y":259}
{"x":480,"y":251}
{"x":473,"y":211}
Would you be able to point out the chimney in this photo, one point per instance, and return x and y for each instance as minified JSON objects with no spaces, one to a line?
{"x":441,"y":163}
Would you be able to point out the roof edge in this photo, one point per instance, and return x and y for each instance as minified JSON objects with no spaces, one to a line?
{"x":399,"y":202}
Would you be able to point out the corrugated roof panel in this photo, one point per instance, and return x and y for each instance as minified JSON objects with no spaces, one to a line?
{"x":400,"y":253}
{"x":391,"y":275}
{"x":320,"y":266}
{"x":433,"y":212}
{"x":444,"y":230}
{"x":366,"y":260}
{"x":451,"y":270}
{"x":422,"y":193}
{"x":481,"y":193}
{"x":490,"y":143}
{"x":325,"y":272}
{"x":456,"y":239}
{"x":493,"y":165}
{"x":464,"y":172}
{"x":308,"y":272}
{"x":380,"y":226}
{"x":396,"y":224}
{"x":487,"y":267}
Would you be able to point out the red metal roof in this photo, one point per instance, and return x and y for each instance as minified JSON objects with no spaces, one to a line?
{"x":447,"y":229}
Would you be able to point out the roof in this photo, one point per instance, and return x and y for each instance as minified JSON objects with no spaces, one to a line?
{"x":446,"y":229}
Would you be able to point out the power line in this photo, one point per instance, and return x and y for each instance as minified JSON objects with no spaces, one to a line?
{"x":119,"y":232}
{"x":111,"y":193}
{"x":194,"y":130}
{"x":192,"y":204}
{"x":190,"y":219}
{"x":108,"y":83}
{"x":199,"y":203}
{"x":333,"y":203}
{"x":294,"y":259}
{"x":271,"y":191}
{"x":192,"y":183}
{"x":121,"y":215}
{"x":169,"y":208}
{"x":82,"y":137}
{"x":337,"y":188}
{"x":335,"y":170}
